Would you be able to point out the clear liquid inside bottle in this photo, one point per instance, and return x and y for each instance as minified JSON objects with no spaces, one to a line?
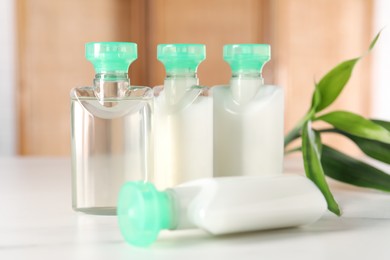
{"x":110,"y":145}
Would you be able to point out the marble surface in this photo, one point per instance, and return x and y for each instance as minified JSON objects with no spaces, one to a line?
{"x":37,"y":222}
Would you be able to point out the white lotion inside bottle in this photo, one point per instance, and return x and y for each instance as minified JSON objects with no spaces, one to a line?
{"x":183,"y":118}
{"x":248,"y":116}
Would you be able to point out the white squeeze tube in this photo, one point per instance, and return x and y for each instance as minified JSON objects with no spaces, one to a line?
{"x":182,"y":118}
{"x":248,"y":116}
{"x":218,"y":205}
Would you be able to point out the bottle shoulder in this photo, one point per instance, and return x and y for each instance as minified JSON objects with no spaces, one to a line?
{"x":265,"y":97}
{"x":133,"y":93}
{"x":171,"y":101}
{"x":264,"y":88}
{"x":162,"y":90}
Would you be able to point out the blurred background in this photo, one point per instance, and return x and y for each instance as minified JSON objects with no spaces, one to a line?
{"x":42,"y":54}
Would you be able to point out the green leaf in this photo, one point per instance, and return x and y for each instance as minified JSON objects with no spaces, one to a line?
{"x":373,"y":42}
{"x":372,"y":148}
{"x":331,"y":85}
{"x":316,"y":99}
{"x":357,"y":125}
{"x":343,"y":168}
{"x":318,"y":142}
{"x":313,"y":167}
{"x":377,"y":150}
{"x":382,"y":123}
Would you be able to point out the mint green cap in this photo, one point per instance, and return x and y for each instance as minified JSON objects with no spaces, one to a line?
{"x":244,"y":57}
{"x":181,"y":57}
{"x":142,"y":213}
{"x":111,"y":56}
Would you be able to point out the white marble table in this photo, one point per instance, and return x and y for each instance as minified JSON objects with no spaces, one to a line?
{"x":37,"y":222}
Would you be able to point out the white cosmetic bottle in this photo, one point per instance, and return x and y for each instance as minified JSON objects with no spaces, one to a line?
{"x":248,"y":116}
{"x":218,"y":205}
{"x":182,"y":118}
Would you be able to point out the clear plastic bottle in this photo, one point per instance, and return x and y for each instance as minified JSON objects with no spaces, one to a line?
{"x":218,"y":205}
{"x":110,"y":129}
{"x":183,"y":118}
{"x":248,"y":116}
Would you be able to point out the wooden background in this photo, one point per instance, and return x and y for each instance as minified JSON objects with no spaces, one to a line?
{"x":307,"y":37}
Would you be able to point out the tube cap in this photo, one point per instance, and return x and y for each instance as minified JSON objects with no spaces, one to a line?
{"x":186,"y":57}
{"x":142,"y":213}
{"x":243,"y":57}
{"x":111,"y":56}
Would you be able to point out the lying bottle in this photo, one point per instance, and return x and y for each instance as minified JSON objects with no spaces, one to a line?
{"x":248,"y":116}
{"x":110,"y":129}
{"x":218,"y":205}
{"x":182,"y":118}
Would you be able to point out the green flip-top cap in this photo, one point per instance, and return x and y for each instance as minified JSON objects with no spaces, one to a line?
{"x":111,"y":56}
{"x":181,"y":57}
{"x":142,"y":213}
{"x":246,"y":57}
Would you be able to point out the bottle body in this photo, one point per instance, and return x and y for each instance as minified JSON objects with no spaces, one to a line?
{"x":248,"y":128}
{"x":183,"y":132}
{"x":110,"y":139}
{"x":239,"y":204}
{"x":183,"y":118}
{"x":218,"y":205}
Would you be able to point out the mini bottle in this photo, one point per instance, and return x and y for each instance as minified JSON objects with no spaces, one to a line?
{"x":183,"y":118}
{"x":248,"y":116}
{"x":110,"y":129}
{"x":218,"y":205}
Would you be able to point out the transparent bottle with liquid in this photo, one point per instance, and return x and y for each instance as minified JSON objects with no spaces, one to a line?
{"x":110,"y":130}
{"x":218,"y":205}
{"x":248,"y":116}
{"x":183,"y":118}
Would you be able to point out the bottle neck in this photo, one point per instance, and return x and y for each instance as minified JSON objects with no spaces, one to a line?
{"x":180,"y":199}
{"x":111,"y":85}
{"x":177,"y":84}
{"x":181,"y":73}
{"x":112,"y":76}
{"x":244,"y":85}
{"x":248,"y":74}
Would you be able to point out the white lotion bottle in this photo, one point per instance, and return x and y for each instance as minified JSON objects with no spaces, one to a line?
{"x":248,"y":116}
{"x":182,"y":118}
{"x":218,"y":205}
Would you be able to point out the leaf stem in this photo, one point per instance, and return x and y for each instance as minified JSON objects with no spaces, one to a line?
{"x":328,"y":130}
{"x":292,"y":135}
{"x":295,"y":132}
{"x":293,"y":150}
